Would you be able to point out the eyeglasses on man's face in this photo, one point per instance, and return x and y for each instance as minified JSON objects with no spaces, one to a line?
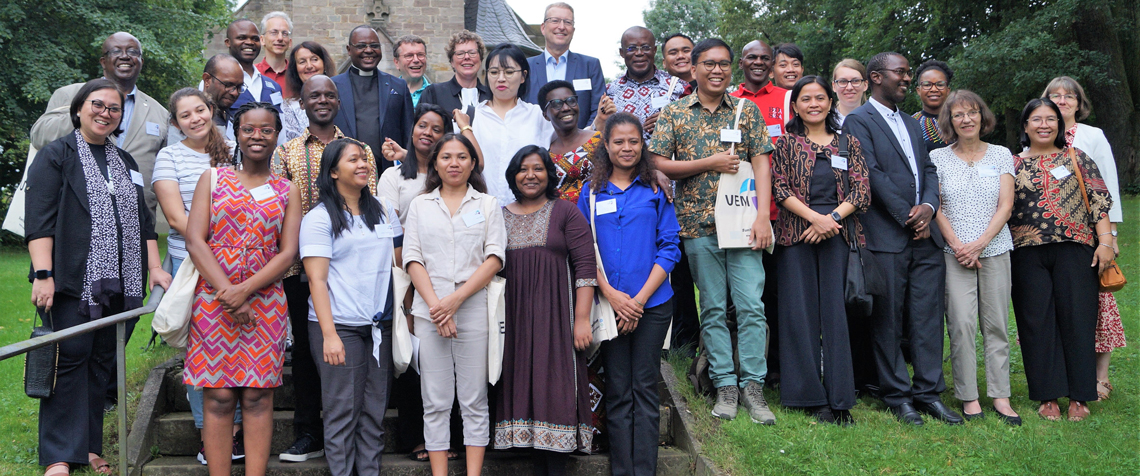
{"x":711,"y":65}
{"x":238,"y":88}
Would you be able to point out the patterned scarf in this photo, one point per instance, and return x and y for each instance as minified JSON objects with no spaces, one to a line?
{"x":1070,"y":135}
{"x":103,"y":278}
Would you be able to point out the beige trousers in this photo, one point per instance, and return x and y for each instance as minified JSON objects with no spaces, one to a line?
{"x":974,"y":295}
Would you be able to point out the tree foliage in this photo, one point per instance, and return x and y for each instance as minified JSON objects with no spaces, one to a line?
{"x":694,"y":18}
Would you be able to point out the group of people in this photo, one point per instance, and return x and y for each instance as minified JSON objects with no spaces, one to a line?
{"x":302,"y":197}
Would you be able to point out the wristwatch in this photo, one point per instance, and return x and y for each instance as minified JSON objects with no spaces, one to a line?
{"x":836,"y":216}
{"x":43,"y":273}
{"x":1113,"y":233}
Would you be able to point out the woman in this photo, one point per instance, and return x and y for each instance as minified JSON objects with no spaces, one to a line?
{"x":92,"y":249}
{"x":639,"y":247}
{"x":177,"y":169}
{"x":463,"y":91}
{"x":544,"y":398}
{"x":570,"y":147}
{"x":850,"y":80}
{"x":1070,"y":97}
{"x":818,"y":190}
{"x":454,"y":244}
{"x":305,"y":61}
{"x":1059,"y":248}
{"x":348,"y":255}
{"x":932,"y":80}
{"x":242,"y":238}
{"x":505,"y":122}
{"x":976,"y":180}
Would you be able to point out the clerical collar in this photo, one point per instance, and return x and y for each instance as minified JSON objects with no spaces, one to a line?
{"x":361,"y":72}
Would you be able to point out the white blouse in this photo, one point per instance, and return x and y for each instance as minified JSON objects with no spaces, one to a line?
{"x":499,"y":140}
{"x":1092,"y":142}
{"x":396,"y":189}
{"x":970,"y":194}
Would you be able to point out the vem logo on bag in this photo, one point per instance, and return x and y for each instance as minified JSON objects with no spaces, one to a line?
{"x":746,"y":197}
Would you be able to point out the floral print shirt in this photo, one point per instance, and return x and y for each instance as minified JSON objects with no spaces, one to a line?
{"x":574,"y":167}
{"x":793,"y":163}
{"x":1048,"y":209}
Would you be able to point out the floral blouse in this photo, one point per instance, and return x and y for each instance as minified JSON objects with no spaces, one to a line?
{"x":574,"y":168}
{"x":793,"y":163}
{"x":1048,"y":208}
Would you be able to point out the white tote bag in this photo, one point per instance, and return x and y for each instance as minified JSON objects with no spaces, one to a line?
{"x":14,"y":220}
{"x":496,"y":327}
{"x":603,"y":320}
{"x":736,"y":205}
{"x":172,"y":318}
{"x":401,"y":337}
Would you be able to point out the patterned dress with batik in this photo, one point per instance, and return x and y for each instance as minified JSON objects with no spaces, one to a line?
{"x":543,"y":397}
{"x":244,"y":237}
{"x":574,"y":168}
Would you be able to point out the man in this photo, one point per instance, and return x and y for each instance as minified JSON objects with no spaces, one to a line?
{"x":698,"y":132}
{"x":144,"y":119}
{"x":558,"y":62}
{"x":643,"y":90}
{"x":244,"y":42}
{"x":374,"y":105}
{"x":299,"y":160}
{"x":904,"y":200}
{"x":411,"y":61}
{"x":676,"y":54}
{"x":788,"y":65}
{"x":278,"y":30}
{"x":222,"y":80}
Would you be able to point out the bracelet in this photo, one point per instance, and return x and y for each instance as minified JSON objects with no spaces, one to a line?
{"x":639,"y":303}
{"x":1108,"y":246}
{"x":464,"y":129}
{"x":1105,"y":233}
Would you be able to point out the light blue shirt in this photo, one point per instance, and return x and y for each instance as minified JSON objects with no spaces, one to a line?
{"x":896,"y":124}
{"x":128,"y":111}
{"x":555,"y":67}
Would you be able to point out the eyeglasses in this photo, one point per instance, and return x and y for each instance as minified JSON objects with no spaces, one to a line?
{"x":506,"y":73}
{"x":634,"y":49}
{"x":556,"y":104}
{"x":1038,"y":120}
{"x":279,"y":33}
{"x":927,"y":85}
{"x":119,"y":53}
{"x":557,"y":21}
{"x":98,"y":107}
{"x":365,"y":46}
{"x":1068,"y":97}
{"x":238,"y":88}
{"x":973,"y":114}
{"x":711,"y":65}
{"x":902,"y":72}
{"x":466,"y":54}
{"x":412,"y":56}
{"x":843,"y":83}
{"x":265,"y":131}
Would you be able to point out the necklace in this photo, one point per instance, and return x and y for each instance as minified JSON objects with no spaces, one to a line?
{"x":968,"y":156}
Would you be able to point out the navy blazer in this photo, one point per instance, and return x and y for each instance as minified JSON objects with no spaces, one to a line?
{"x":268,"y":88}
{"x":892,"y":184}
{"x":395,"y":107}
{"x":578,"y":66}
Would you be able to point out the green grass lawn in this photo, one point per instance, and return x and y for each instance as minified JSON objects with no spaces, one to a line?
{"x":1107,"y":443}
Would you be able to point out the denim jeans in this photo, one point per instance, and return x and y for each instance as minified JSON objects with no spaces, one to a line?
{"x":715,"y":272}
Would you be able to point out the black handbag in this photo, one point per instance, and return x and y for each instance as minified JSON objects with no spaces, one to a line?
{"x":40,"y":364}
{"x":864,"y":279}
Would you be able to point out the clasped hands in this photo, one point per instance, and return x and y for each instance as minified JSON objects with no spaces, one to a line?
{"x":627,"y":310}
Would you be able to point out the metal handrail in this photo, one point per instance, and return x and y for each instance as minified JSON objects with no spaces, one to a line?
{"x":120,"y":322}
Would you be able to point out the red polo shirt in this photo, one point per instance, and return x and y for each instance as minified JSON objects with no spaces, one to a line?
{"x":279,"y":77}
{"x":770,"y":100}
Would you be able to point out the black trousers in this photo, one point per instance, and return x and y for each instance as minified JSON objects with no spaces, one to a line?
{"x":916,"y":295}
{"x":71,"y":421}
{"x":306,"y":380}
{"x":1055,"y":304}
{"x":813,"y":321}
{"x":633,"y":403}
{"x":686,"y":318}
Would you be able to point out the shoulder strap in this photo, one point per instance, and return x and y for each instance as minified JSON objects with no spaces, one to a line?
{"x":1080,"y":179}
{"x":594,"y":230}
{"x":736,"y":123}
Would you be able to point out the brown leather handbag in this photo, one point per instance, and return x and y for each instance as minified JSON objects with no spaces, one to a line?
{"x":1111,"y":279}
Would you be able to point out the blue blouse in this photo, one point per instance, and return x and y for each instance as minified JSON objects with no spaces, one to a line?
{"x":640,"y":231}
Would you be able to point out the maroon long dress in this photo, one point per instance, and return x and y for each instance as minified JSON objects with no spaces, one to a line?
{"x":543,"y":397}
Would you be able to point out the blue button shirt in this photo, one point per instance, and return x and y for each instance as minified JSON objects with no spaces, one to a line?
{"x":555,"y":67}
{"x":641,"y":233}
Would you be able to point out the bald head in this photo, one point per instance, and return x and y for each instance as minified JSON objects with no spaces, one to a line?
{"x":122,"y":60}
{"x":638,"y":50}
{"x":222,"y":80}
{"x":756,"y":62}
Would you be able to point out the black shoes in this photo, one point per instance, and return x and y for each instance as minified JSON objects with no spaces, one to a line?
{"x":973,"y":416}
{"x":305,"y":448}
{"x":940,"y":411}
{"x":906,"y":413}
{"x":1009,"y":420}
{"x":843,"y":417}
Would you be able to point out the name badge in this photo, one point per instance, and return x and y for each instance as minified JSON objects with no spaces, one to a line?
{"x":386,"y":230}
{"x":659,"y":102}
{"x":730,"y":135}
{"x":839,"y":162}
{"x":582,"y":84}
{"x":474,"y":218}
{"x":261,"y":193}
{"x":153,"y":129}
{"x":136,"y":177}
{"x":1060,"y":172}
{"x":989,"y":171}
{"x":774,"y":132}
{"x":607,"y":206}
{"x":276,"y":98}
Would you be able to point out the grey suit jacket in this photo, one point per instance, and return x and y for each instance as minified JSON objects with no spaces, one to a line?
{"x":141,"y":144}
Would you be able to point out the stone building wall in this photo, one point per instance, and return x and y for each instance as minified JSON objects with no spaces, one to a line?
{"x":328,"y":22}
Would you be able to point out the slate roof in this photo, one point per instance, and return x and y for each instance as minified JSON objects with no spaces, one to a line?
{"x":497,"y":22}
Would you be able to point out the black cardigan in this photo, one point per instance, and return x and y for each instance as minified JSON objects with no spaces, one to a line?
{"x":56,"y":206}
{"x":449,"y":96}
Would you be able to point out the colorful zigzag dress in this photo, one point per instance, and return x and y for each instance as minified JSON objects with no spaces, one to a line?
{"x":244,"y":237}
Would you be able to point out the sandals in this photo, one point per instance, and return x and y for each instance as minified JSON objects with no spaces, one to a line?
{"x":58,"y":469}
{"x":1078,"y":410}
{"x":1103,"y":389}
{"x":422,"y":455}
{"x":1049,"y":410}
{"x":99,"y":465}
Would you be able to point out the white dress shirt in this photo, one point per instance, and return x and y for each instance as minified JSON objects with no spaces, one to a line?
{"x":903,"y":136}
{"x":500,"y":139}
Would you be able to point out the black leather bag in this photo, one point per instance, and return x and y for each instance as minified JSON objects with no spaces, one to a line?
{"x":40,"y":365}
{"x":864,"y":279}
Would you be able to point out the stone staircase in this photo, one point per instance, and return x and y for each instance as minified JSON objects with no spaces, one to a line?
{"x":163,"y":440}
